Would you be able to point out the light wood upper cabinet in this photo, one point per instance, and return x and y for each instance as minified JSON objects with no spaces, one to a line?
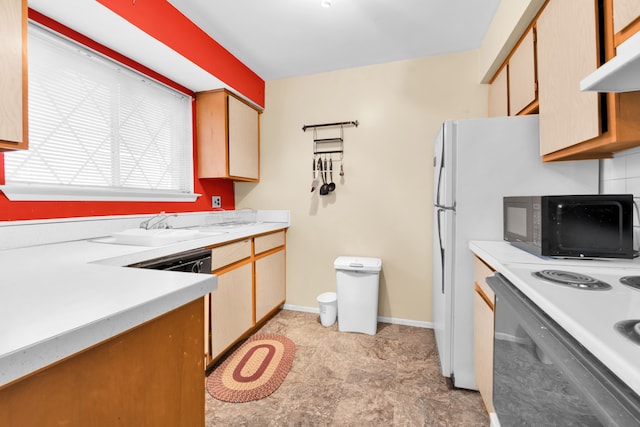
{"x":572,"y":41}
{"x":626,"y":19}
{"x":522,"y":75}
{"x":567,"y":51}
{"x":499,"y":95}
{"x":228,"y":137}
{"x":13,"y":75}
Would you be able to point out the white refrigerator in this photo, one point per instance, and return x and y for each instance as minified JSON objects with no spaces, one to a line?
{"x":476,"y":163}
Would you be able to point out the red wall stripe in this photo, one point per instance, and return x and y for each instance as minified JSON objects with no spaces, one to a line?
{"x":92,"y":44}
{"x":165,"y":23}
{"x":24,"y":210}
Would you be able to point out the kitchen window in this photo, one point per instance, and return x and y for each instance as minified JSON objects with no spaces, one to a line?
{"x":98,"y":130}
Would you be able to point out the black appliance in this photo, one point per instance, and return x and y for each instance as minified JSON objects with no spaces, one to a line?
{"x":194,"y":261}
{"x":573,"y":226}
{"x":542,"y":376}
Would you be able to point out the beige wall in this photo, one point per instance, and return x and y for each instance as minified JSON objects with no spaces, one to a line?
{"x":382,"y":206}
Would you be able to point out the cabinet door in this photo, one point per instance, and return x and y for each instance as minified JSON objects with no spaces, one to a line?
{"x":483,"y":341}
{"x":522,"y":75}
{"x":13,"y":74}
{"x":244,"y":146}
{"x":270,"y":283}
{"x":567,"y":51}
{"x":625,"y":12}
{"x":231,"y":308}
{"x":498,"y":95}
{"x":483,"y":327}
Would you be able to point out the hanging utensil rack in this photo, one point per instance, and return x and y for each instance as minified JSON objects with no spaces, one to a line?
{"x":329,"y":145}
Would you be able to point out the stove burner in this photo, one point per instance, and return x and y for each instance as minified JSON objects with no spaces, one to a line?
{"x":633,"y":281}
{"x":572,"y":279}
{"x":630,"y":329}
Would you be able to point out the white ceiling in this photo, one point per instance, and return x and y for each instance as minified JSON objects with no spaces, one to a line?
{"x":285,"y":38}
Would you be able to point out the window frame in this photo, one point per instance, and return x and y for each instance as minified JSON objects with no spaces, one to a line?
{"x":25,"y":191}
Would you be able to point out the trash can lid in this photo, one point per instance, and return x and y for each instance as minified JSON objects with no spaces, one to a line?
{"x":358,"y":263}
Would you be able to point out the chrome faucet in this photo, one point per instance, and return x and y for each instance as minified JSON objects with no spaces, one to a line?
{"x":157,"y":221}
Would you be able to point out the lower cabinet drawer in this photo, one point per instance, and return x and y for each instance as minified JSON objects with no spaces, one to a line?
{"x":222,"y":256}
{"x":268,"y":241}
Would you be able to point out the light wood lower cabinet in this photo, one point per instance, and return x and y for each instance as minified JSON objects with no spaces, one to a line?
{"x":251,"y":287}
{"x":484,"y":300}
{"x":270,"y":283}
{"x":151,"y":375}
{"x":231,"y":308}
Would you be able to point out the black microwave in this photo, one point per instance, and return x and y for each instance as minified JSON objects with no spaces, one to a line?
{"x":574,"y":226}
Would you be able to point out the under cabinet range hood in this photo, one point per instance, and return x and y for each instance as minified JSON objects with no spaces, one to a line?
{"x":621,"y":73}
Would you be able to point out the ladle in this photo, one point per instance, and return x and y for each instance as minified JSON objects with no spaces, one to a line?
{"x":332,"y":185}
{"x":324,"y":188}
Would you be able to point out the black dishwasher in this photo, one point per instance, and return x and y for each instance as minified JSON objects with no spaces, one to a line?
{"x":194,"y":261}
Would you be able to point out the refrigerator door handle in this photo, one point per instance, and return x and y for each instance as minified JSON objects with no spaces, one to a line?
{"x":438,"y":212}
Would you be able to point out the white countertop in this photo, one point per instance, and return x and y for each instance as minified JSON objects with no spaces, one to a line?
{"x":589,"y":316}
{"x":58,"y":299}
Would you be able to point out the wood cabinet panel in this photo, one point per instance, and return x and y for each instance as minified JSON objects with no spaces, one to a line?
{"x":268,"y":241}
{"x":522,"y":75}
{"x":625,"y":13}
{"x":222,"y":256}
{"x":244,"y":146}
{"x":480,"y":273}
{"x":270,"y":283}
{"x":228,"y":137}
{"x":231,"y":308}
{"x":483,"y":341}
{"x":499,"y":95}
{"x":483,"y":330}
{"x":151,"y":375}
{"x":13,"y":75}
{"x":567,"y":51}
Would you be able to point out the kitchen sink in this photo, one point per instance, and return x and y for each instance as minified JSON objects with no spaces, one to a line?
{"x":157,"y":237}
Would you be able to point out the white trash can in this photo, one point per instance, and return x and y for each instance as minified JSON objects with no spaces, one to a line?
{"x":328,"y":308}
{"x":357,"y":283}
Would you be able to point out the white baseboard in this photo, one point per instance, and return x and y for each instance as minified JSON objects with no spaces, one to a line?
{"x":395,"y":320}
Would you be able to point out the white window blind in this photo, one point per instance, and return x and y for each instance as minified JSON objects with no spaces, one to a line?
{"x":98,"y":130}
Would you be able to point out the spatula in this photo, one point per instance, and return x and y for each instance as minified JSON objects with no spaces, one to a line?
{"x":316,"y":181}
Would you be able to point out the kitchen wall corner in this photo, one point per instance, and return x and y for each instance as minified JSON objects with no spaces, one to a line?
{"x":382,"y":206}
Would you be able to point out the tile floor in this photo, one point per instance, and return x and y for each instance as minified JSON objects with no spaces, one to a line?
{"x":350,"y":379}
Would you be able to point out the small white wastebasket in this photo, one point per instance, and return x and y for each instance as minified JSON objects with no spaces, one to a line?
{"x":357,"y":282}
{"x":328,"y":308}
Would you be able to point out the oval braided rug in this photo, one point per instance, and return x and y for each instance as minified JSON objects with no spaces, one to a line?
{"x":254,"y":371}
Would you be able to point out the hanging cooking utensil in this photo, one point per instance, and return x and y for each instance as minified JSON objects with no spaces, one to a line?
{"x":324,"y":188}
{"x":316,"y":180}
{"x":341,"y":169}
{"x":332,"y":185}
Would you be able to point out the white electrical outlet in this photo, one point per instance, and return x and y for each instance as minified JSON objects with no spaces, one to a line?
{"x":216,"y":201}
